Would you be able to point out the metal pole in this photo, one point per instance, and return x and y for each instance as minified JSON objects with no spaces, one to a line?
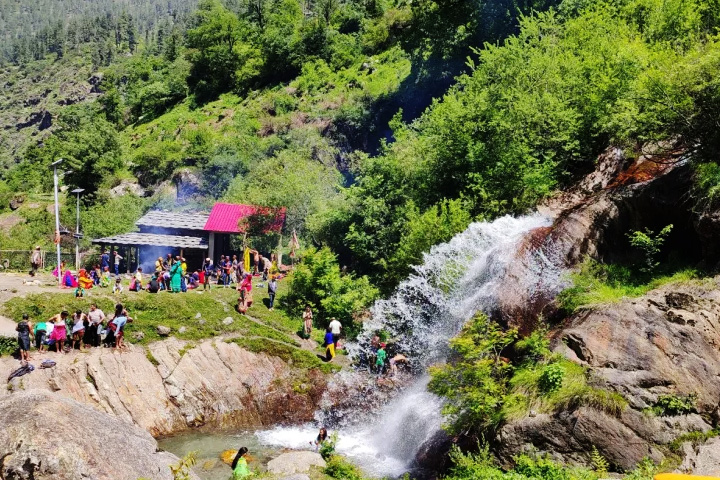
{"x":57,"y":219}
{"x":77,"y":191}
{"x":77,"y":232}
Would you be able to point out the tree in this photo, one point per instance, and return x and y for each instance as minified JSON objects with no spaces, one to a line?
{"x":212,"y":50}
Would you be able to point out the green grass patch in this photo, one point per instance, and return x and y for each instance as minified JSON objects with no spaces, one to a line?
{"x":171,"y":310}
{"x":527,"y":392}
{"x":695,"y":438}
{"x":598,"y":284}
{"x":294,"y":356}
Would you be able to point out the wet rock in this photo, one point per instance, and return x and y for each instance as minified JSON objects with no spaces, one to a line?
{"x":163,"y":331}
{"x":35,"y":443}
{"x":295,"y":462}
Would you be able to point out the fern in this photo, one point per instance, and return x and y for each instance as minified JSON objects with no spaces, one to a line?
{"x":600,"y":465}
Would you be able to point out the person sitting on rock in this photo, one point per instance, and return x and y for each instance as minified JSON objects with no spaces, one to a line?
{"x":239,"y":465}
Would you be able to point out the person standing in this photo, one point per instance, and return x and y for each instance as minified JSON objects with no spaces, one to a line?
{"x":78,"y":329}
{"x":35,"y":261}
{"x":329,"y":346}
{"x":118,"y":258}
{"x":40,"y":330}
{"x":96,"y":317}
{"x":105,"y":261}
{"x":59,"y":331}
{"x":272,"y":290}
{"x":159,"y":266}
{"x":175,"y":276}
{"x":380,"y":357}
{"x":24,"y":329}
{"x":307,"y":321}
{"x":335,"y":327}
{"x":208,"y":269}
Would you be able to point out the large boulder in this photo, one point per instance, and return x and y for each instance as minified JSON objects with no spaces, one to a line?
{"x":702,"y":459}
{"x":47,"y":436}
{"x":295,"y":462}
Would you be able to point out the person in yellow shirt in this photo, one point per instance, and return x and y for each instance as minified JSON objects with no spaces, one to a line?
{"x":183,"y":265}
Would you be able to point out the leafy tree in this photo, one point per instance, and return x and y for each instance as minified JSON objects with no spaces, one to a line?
{"x":212,"y":50}
{"x":475,"y":384}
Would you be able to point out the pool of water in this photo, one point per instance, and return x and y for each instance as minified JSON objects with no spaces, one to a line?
{"x":209,"y":446}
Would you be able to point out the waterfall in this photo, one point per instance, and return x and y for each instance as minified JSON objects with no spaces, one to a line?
{"x":456,"y":280}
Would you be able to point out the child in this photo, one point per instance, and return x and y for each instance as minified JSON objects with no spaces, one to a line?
{"x":105,"y":279}
{"x":380,"y":357}
{"x":136,"y":284}
{"x":118,"y":288}
{"x":329,"y":345}
{"x":239,"y":465}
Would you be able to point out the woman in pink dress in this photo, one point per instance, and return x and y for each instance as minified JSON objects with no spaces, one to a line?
{"x":59,"y":332}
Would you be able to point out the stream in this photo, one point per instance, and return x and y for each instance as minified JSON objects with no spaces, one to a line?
{"x":456,"y":280}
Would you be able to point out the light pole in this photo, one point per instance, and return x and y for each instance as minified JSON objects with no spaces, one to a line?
{"x":57,"y":217}
{"x":77,"y":191}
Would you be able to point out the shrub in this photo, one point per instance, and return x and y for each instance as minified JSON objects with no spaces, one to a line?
{"x":339,"y":468}
{"x":327,"y":449}
{"x":650,"y":244}
{"x":671,"y":405}
{"x":551,"y":378}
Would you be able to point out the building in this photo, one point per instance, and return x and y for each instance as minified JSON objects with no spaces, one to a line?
{"x":193,"y":236}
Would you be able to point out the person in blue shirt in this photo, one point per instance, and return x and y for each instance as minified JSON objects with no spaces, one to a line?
{"x":329,"y":345}
{"x":208,"y":270}
{"x":105,"y":260}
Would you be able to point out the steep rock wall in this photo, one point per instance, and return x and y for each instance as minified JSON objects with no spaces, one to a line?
{"x":175,"y":385}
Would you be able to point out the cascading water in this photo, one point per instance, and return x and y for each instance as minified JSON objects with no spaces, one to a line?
{"x":456,"y":280}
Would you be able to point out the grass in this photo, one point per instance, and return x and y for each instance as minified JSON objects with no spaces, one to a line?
{"x":526,"y":392}
{"x":695,"y":438}
{"x":599,"y":284}
{"x":273,"y":332}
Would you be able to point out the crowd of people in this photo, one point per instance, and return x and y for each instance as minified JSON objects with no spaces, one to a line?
{"x":64,"y":332}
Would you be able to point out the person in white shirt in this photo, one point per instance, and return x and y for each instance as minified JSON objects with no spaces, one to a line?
{"x":117,"y":263}
{"x":335,"y":328}
{"x":96,"y":318}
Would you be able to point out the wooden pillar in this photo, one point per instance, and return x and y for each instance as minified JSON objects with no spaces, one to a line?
{"x":211,"y":246}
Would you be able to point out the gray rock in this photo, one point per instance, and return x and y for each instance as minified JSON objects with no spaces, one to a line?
{"x":227,"y":321}
{"x":127,"y":187}
{"x":703,"y":459}
{"x":35,"y":444}
{"x":297,"y":476}
{"x":295,"y":462}
{"x":138,"y":335}
{"x":182,"y":329}
{"x":198,"y":315}
{"x":163,"y":331}
{"x":201,"y":322}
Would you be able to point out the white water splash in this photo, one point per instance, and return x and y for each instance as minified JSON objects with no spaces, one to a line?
{"x":456,"y":280}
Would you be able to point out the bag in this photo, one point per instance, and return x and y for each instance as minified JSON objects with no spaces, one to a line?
{"x":47,"y":363}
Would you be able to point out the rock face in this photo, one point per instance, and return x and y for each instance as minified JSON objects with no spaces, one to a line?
{"x":174,"y":386}
{"x":45,"y":436}
{"x":664,"y":343}
{"x":702,"y":460}
{"x":592,"y":219}
{"x":295,"y":462}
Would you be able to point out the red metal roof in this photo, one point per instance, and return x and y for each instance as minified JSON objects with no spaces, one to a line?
{"x":226,"y":217}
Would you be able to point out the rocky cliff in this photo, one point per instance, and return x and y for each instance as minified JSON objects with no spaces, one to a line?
{"x":664,"y":344}
{"x":46,"y":436}
{"x":175,"y":385}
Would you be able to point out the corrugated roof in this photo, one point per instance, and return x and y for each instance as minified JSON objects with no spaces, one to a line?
{"x":225,"y":217}
{"x":135,"y":238}
{"x":162,"y":219}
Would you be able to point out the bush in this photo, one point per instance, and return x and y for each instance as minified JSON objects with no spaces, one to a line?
{"x":649,"y":244}
{"x":671,"y":405}
{"x":339,"y":468}
{"x":551,"y":378}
